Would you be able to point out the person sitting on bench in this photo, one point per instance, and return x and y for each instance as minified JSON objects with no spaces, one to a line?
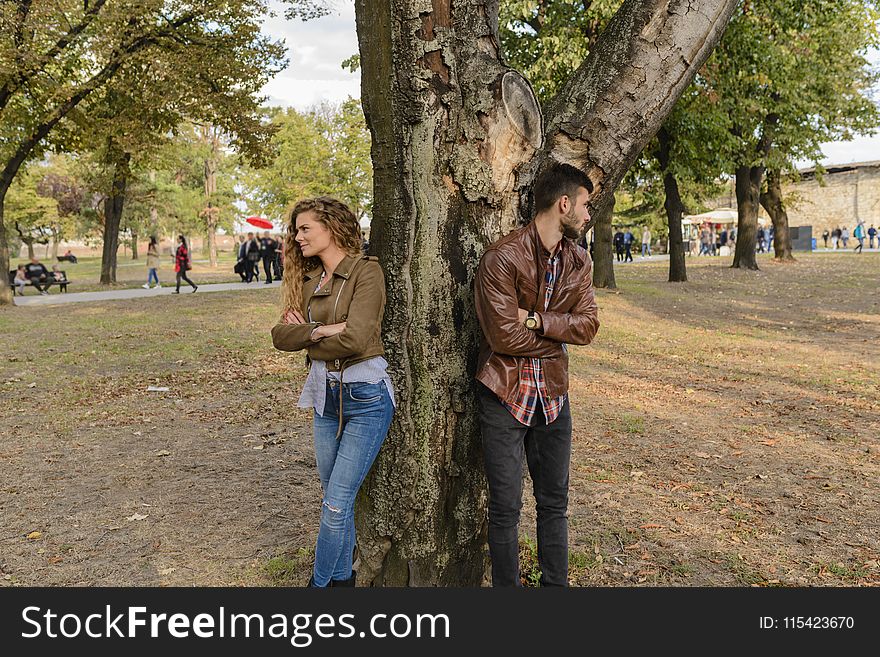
{"x":38,"y":275}
{"x":59,"y":278}
{"x":20,"y":280}
{"x":68,"y":256}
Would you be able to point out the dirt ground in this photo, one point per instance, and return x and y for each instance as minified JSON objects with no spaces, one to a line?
{"x":727,"y":432}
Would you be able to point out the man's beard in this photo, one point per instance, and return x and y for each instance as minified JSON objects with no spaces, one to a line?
{"x":568,"y":229}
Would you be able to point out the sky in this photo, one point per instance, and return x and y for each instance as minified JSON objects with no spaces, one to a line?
{"x":317,"y":48}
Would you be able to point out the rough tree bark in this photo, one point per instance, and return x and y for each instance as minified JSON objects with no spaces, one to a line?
{"x":113,"y":205}
{"x":748,"y":191}
{"x":457,"y":140}
{"x":211,"y":213}
{"x":674,"y":209}
{"x":603,"y":256}
{"x":134,"y":246}
{"x":771,"y":201}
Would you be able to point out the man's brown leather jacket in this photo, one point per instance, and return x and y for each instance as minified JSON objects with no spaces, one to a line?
{"x":511,"y":276}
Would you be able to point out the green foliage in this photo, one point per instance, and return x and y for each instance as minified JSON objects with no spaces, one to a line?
{"x":793,"y":74}
{"x":546,"y":40}
{"x":325,"y":151}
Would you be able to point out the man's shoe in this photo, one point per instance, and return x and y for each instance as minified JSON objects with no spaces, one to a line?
{"x":195,"y":287}
{"x":146,"y":286}
{"x":176,"y":292}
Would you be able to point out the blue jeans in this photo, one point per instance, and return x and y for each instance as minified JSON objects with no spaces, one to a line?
{"x":342,"y":465}
{"x":152,"y":275}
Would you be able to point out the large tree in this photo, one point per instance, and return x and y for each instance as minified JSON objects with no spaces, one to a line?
{"x":458,"y":137}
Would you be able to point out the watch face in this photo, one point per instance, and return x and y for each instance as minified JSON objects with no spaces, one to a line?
{"x":531,"y":322}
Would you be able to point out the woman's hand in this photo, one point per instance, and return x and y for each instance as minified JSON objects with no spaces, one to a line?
{"x":292,"y":317}
{"x":325,"y":331}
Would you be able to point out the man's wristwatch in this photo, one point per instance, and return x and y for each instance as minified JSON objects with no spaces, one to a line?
{"x":531,"y":322}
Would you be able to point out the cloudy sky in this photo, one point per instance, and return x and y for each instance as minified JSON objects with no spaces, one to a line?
{"x":317,"y":48}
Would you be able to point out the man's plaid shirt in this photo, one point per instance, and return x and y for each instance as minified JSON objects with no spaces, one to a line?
{"x":532,"y":387}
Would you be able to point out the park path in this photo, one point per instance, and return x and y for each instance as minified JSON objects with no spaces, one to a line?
{"x":55,"y":299}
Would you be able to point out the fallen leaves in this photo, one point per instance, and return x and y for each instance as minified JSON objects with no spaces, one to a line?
{"x":137,"y":516}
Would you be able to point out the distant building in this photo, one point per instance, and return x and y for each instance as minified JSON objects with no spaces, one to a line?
{"x":849,"y":193}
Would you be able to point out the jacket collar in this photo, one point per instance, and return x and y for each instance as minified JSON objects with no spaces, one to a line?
{"x":343,"y":270}
{"x":568,"y":248}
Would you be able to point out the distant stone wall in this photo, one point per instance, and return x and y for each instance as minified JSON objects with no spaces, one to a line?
{"x":848,"y":193}
{"x":847,"y":196}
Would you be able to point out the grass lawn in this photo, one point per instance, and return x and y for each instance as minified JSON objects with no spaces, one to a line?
{"x":726,"y":433}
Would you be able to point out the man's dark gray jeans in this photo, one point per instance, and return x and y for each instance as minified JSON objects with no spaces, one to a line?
{"x":547,"y":450}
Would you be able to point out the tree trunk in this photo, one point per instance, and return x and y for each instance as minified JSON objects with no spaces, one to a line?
{"x":211,"y":213}
{"x":456,"y":140}
{"x":56,"y":238}
{"x":603,"y":257}
{"x":134,"y":246}
{"x":30,"y":247}
{"x":771,"y":201}
{"x":748,"y":191}
{"x":6,"y":298}
{"x":674,"y":209}
{"x":112,"y":218}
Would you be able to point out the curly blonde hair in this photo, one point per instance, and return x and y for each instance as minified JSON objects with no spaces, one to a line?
{"x":344,"y":229}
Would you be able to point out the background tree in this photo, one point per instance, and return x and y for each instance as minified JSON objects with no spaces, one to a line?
{"x":457,"y":139}
{"x":791,"y":75}
{"x":55,"y":55}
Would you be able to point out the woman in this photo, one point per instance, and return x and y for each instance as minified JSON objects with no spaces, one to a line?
{"x":21,"y":280}
{"x":333,"y":299}
{"x":181,"y":264}
{"x":152,"y":263}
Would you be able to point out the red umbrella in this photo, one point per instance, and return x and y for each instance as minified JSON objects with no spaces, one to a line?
{"x":259,"y":222}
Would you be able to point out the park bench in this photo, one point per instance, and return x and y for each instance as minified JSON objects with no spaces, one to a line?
{"x":49,"y":282}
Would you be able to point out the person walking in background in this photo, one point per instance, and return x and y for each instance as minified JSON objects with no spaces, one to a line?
{"x":278,"y":262}
{"x":333,"y":300}
{"x":646,"y":242}
{"x":759,"y":240}
{"x":859,"y":234}
{"x":240,"y":258}
{"x":872,"y":233}
{"x":618,"y":244}
{"x":182,"y":264}
{"x":771,"y":232}
{"x":251,"y":258}
{"x":844,"y":236}
{"x":267,"y":254}
{"x":825,"y":236}
{"x":152,"y":263}
{"x":628,"y":239}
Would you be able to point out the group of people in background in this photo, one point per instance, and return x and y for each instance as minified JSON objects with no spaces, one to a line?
{"x":252,"y":251}
{"x":623,"y":242}
{"x":182,"y":264}
{"x":840,"y":236}
{"x":35,"y":273}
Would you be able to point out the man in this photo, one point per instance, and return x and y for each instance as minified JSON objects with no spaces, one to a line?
{"x":872,"y":233}
{"x":240,"y":258}
{"x":267,"y":253}
{"x":628,"y":239}
{"x":38,"y":275}
{"x":534,"y":294}
{"x":859,"y":235}
{"x":618,"y":244}
{"x":825,"y":236}
{"x":251,"y":258}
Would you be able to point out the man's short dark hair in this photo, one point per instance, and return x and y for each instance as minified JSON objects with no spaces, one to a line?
{"x":559,"y":180}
